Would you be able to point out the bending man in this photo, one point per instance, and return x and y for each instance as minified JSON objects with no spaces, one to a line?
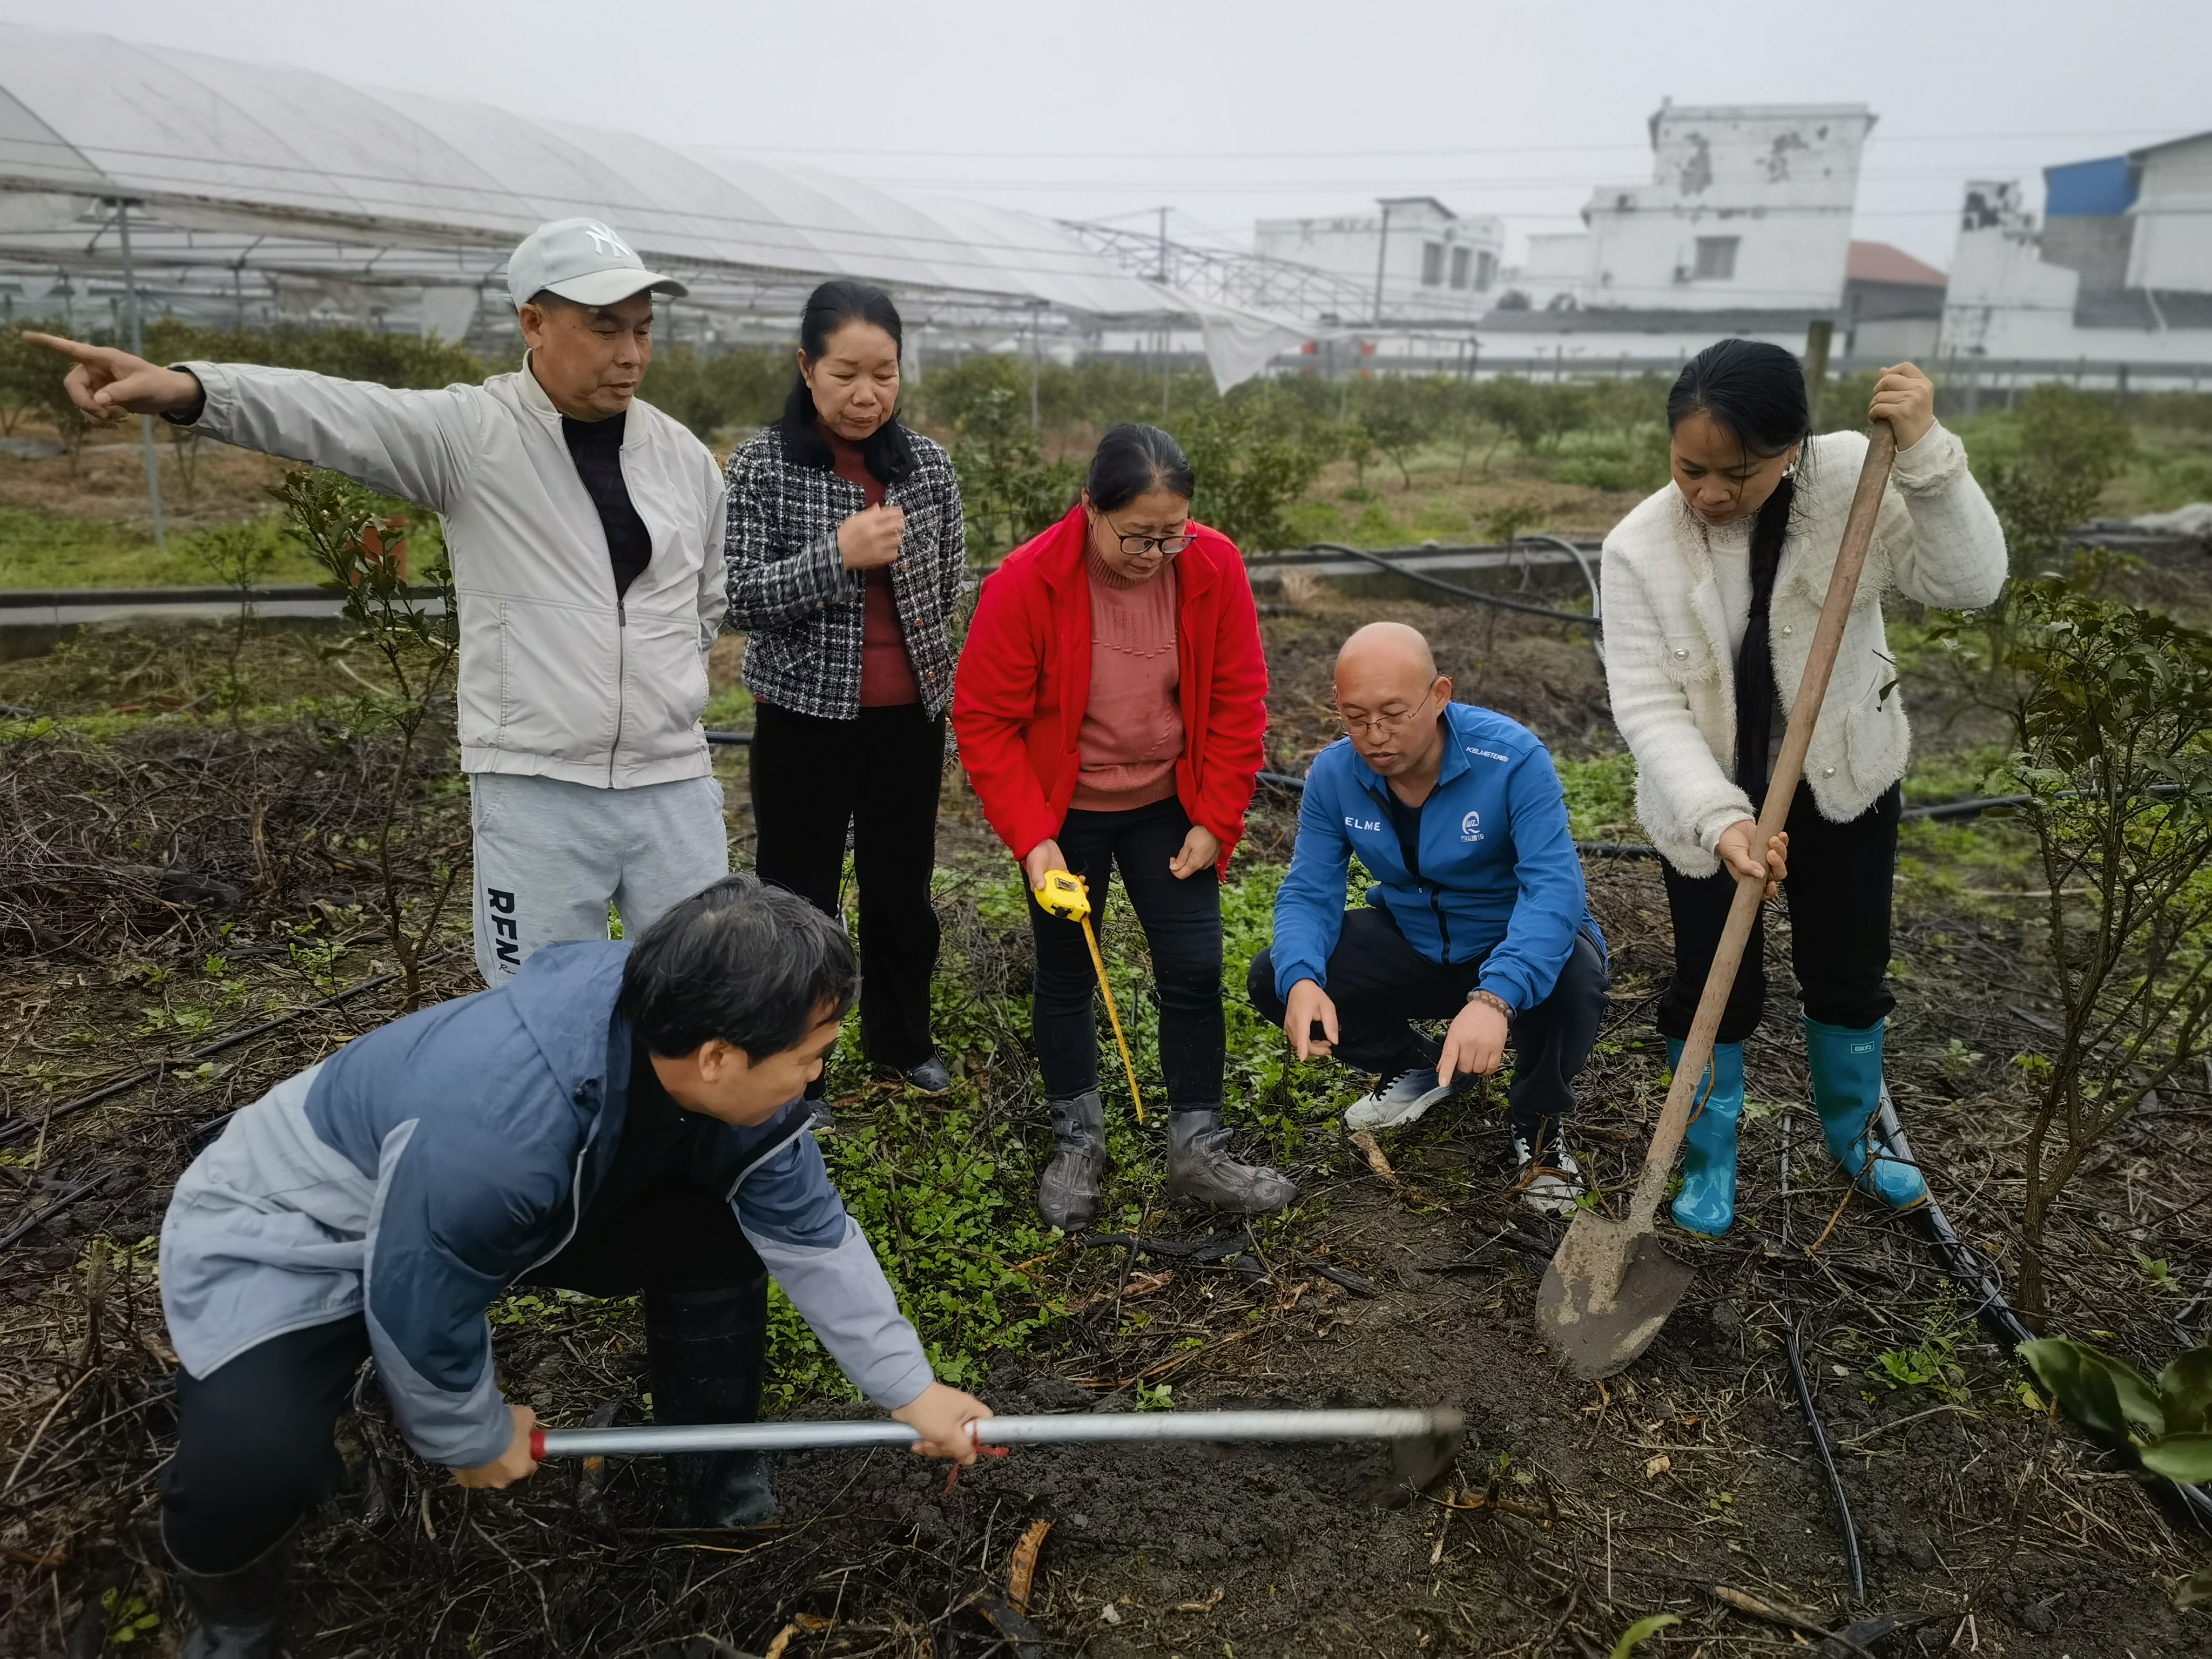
{"x":585,"y":531}
{"x":1477,"y":914}
{"x":620,"y":1117}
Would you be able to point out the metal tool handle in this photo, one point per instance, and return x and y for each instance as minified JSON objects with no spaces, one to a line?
{"x":1781,"y":789}
{"x":1387,"y":1423}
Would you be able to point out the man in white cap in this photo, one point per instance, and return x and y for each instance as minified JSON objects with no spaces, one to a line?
{"x":584,"y":532}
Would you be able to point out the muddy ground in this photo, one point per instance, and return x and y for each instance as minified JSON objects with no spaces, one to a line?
{"x":1572,"y":1511}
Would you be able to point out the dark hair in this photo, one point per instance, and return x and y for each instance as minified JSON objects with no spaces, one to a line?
{"x":887,"y":452}
{"x":752,"y":965}
{"x":1133,"y":460}
{"x":1755,"y":392}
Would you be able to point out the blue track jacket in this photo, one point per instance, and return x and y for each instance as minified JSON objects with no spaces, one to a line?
{"x":1499,"y":873}
{"x":420,"y":1170}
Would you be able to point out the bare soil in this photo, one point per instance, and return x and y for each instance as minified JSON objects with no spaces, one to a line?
{"x":1573,"y":1510}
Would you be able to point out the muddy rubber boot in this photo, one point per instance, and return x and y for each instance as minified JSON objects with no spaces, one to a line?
{"x":1706,"y":1203}
{"x":706,"y":1351}
{"x":236,"y":1615}
{"x":1200,"y":1168}
{"x":1067,"y":1191}
{"x":1847,"y":1088}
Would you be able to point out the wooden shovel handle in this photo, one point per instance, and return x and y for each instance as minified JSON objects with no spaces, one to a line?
{"x":1788,"y":766}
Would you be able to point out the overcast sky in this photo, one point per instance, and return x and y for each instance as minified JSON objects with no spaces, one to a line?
{"x":1228,"y":110}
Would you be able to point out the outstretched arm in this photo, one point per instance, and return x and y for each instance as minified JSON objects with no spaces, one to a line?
{"x":406,"y":443}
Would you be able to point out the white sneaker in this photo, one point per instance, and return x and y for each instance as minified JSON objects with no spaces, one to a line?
{"x":1397,"y":1100}
{"x":1550,"y":1181}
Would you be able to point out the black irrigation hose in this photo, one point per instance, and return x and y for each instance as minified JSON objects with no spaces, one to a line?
{"x":1812,"y":1415}
{"x":1942,"y":811}
{"x":1959,"y":1259}
{"x":1500,"y":600}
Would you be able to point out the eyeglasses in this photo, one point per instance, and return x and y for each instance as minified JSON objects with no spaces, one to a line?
{"x":1382,"y":725}
{"x":1136,"y":547}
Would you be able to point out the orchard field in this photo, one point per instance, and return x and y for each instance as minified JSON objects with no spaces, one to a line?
{"x":214,"y":870}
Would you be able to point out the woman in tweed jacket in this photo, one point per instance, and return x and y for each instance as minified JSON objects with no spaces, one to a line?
{"x":846,"y":550}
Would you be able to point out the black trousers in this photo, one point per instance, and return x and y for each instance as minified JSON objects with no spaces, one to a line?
{"x":1838,"y":892}
{"x":881,"y":775}
{"x":1378,"y":981}
{"x":1183,"y":928}
{"x":255,"y":1452}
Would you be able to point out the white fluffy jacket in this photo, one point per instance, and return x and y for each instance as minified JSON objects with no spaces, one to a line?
{"x":1670,"y":664}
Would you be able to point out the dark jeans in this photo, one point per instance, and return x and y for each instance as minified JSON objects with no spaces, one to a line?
{"x":1183,"y":928}
{"x":1838,"y":897}
{"x":1378,"y":981}
{"x":254,"y":1437}
{"x":880,"y":773}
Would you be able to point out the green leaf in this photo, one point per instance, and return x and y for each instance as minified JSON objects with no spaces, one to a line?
{"x":1639,"y":1630}
{"x":2196,"y":1591}
{"x":2101,"y":1393}
{"x":2184,"y":1390}
{"x":2183,"y":1457}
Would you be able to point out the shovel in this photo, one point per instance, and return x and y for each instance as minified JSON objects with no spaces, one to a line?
{"x":1423,"y":1439}
{"x":1612,"y":1285}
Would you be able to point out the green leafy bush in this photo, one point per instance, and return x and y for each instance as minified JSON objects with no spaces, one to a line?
{"x":349,"y":353}
{"x":2167,"y":1422}
{"x":2113,"y":726}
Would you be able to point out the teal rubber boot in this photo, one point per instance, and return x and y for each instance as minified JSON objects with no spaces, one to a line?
{"x":1706,"y":1203}
{"x":1847,"y":1067}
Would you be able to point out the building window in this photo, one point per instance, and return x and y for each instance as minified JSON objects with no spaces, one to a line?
{"x":1716,"y":257}
{"x":1432,"y":265}
{"x":1460,"y":258}
{"x":1485,"y":268}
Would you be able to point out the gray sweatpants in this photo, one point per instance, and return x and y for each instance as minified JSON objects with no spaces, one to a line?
{"x":552,"y":855}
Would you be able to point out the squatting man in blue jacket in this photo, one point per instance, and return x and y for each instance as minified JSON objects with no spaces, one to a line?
{"x":616,"y":1118}
{"x":1477,"y":914}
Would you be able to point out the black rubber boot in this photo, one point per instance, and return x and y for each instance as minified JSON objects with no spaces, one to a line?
{"x":1200,"y":1168}
{"x":236,"y":1615}
{"x":707,"y":1351}
{"x":1067,"y":1192}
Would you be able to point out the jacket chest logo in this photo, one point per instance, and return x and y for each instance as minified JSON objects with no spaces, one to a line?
{"x":1470,"y":827}
{"x":1373,"y":824}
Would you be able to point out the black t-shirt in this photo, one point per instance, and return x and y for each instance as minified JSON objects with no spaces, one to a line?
{"x":596,"y":447}
{"x":1406,"y":821}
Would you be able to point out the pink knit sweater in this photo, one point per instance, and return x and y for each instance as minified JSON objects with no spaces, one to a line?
{"x":1133,"y":731}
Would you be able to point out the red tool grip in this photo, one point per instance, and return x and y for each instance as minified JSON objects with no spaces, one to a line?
{"x":537,"y":1445}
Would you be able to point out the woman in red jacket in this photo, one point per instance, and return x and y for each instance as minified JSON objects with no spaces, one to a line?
{"x":1111,"y":705}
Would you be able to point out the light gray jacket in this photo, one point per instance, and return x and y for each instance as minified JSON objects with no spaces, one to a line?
{"x":1670,"y":664}
{"x":559,"y":675}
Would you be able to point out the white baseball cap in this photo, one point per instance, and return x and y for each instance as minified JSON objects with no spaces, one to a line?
{"x":583,"y":260}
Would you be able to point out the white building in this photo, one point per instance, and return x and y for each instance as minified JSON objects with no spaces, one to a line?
{"x":2118,"y":271}
{"x":1749,"y":208}
{"x":1424,"y":262}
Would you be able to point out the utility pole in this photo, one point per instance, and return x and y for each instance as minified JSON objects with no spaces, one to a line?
{"x":1820,"y":339}
{"x":138,"y":349}
{"x":1037,"y":318}
{"x":1167,"y":335}
{"x":1382,"y":262}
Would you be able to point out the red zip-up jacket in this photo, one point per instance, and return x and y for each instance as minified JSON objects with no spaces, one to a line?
{"x":1024,"y":679}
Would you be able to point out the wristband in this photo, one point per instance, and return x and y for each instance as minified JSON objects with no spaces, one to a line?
{"x":1494,"y":1001}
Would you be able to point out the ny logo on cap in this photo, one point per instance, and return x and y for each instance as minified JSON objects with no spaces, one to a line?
{"x":605,"y":241}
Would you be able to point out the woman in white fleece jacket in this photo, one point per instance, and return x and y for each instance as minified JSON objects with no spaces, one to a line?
{"x":1713,"y":588}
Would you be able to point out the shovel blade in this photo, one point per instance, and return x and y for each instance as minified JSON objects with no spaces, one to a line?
{"x":1606,"y":1294}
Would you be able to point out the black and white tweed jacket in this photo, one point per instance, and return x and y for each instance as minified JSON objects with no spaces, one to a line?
{"x":802,"y":608}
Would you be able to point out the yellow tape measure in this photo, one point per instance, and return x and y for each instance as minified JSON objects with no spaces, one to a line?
{"x":1063,"y":895}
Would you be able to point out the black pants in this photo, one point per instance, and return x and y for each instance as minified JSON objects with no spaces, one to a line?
{"x":1378,"y":981}
{"x":880,"y":773}
{"x":1838,"y":891}
{"x":253,"y":1438}
{"x":1183,"y":928}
